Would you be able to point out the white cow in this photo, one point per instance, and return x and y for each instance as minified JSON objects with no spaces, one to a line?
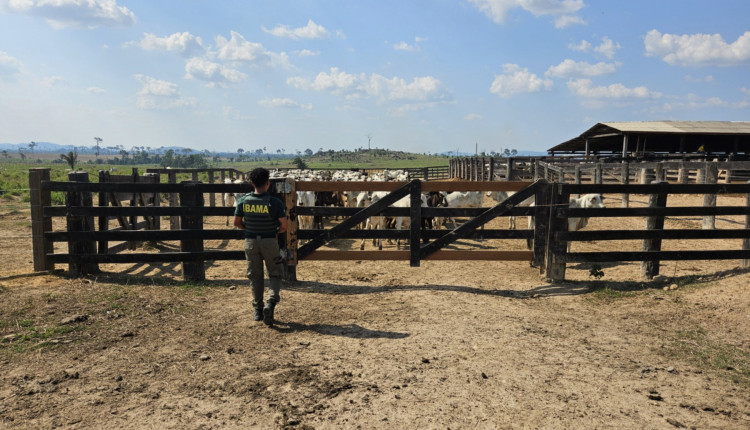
{"x":585,"y":201}
{"x":305,"y":198}
{"x":231,"y":199}
{"x":465,"y":199}
{"x":500,"y":196}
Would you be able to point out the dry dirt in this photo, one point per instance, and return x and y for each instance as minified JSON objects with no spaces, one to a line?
{"x":378,"y":344}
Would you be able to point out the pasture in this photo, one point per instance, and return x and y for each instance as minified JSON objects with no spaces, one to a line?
{"x":374,"y":344}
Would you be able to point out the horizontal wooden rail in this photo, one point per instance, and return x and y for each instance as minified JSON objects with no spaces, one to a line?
{"x":426,"y":186}
{"x":591,"y":235}
{"x":606,"y":257}
{"x":437,"y":255}
{"x":426,"y":234}
{"x":113,"y":211}
{"x":144,"y":235}
{"x":144,"y":257}
{"x":656,"y":188}
{"x":391,"y":211}
{"x":646,"y":211}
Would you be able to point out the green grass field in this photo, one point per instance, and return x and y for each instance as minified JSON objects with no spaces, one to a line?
{"x":14,"y":172}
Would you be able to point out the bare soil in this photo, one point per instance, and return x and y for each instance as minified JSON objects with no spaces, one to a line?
{"x":379,"y":344}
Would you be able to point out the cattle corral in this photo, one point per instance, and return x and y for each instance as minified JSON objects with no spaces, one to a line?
{"x":381,"y":344}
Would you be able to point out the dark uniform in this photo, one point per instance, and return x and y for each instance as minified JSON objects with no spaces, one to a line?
{"x":260,"y":214}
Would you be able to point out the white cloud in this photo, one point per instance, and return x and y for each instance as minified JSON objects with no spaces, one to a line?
{"x":562,"y":10}
{"x":95,"y":90}
{"x":239,"y":49}
{"x":9,"y":66}
{"x":54,"y":81}
{"x":404,"y":46}
{"x":745,"y":90}
{"x":335,"y":81}
{"x":310,"y":31}
{"x":694,"y":102}
{"x":697,"y":49}
{"x":570,"y":68}
{"x":75,"y":13}
{"x":307,"y":53}
{"x":214,"y":73}
{"x":517,"y":80}
{"x":160,"y":95}
{"x":566,"y":21}
{"x":584,"y":46}
{"x":607,"y":48}
{"x":473,"y":117}
{"x":424,"y":89}
{"x":586,"y":89}
{"x":184,"y":43}
{"x":690,"y":78}
{"x":283,"y":103}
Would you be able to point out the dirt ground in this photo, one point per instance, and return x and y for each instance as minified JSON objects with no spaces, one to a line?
{"x":360,"y":344}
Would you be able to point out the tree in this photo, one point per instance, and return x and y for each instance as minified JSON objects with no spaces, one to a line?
{"x":31,"y":147}
{"x":308,"y":152}
{"x":20,"y":152}
{"x":299,"y":162}
{"x":5,"y":153}
{"x":97,"y":147}
{"x":71,"y":158}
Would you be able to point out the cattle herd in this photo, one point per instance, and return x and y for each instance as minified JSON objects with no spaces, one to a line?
{"x":361,"y":199}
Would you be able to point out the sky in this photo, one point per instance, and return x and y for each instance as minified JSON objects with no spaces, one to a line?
{"x":412,"y":75}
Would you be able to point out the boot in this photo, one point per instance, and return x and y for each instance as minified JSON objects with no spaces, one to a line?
{"x":258,"y":314}
{"x":268,"y":314}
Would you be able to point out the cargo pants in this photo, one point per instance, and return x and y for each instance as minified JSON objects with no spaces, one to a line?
{"x":257,"y":251}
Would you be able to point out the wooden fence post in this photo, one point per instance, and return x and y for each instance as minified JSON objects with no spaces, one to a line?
{"x":511,"y":168}
{"x":649,"y":269}
{"x":291,"y":231}
{"x":39,"y":223}
{"x":709,"y":200}
{"x":598,"y":173}
{"x":492,"y":168}
{"x":192,"y":270}
{"x":541,"y":218}
{"x":211,"y":196}
{"x":556,"y":249}
{"x":174,"y":220}
{"x":103,"y":246}
{"x":577,"y":174}
{"x":625,"y":180}
{"x":80,"y":223}
{"x":415,"y":228}
{"x":682,"y":173}
{"x":746,"y":242}
{"x":659,"y":173}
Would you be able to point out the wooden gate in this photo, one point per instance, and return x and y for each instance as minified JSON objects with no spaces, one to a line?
{"x":417,"y":252}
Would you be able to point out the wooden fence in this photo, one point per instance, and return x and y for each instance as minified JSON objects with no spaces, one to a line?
{"x":653,"y":232}
{"x":87,"y":247}
{"x":581,"y":170}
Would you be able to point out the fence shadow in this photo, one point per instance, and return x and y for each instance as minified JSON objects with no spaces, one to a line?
{"x":354,"y":331}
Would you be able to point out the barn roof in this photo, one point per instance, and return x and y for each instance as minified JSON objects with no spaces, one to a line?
{"x":662,"y":137}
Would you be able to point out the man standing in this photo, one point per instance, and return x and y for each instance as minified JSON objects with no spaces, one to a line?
{"x":262,"y":217}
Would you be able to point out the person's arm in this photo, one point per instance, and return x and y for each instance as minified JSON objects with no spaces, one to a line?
{"x":238,"y":223}
{"x":282,"y":225}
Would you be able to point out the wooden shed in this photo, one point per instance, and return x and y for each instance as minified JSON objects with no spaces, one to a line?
{"x":653,"y":138}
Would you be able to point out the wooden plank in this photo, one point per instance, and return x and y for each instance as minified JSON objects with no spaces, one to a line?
{"x":709,"y":200}
{"x":745,"y":262}
{"x":146,"y":235}
{"x":594,"y":235}
{"x":405,"y":256}
{"x":556,"y":249}
{"x":649,"y":188}
{"x":123,"y":211}
{"x":415,"y":226}
{"x":608,"y":257}
{"x":425,"y":234}
{"x":142,"y":257}
{"x":648,"y":211}
{"x":426,"y":186}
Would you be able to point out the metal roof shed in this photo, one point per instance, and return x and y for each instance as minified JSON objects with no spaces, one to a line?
{"x":665,"y":137}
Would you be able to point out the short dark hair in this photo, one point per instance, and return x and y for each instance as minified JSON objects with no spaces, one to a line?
{"x":259,"y":176}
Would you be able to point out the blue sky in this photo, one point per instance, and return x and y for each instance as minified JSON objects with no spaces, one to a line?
{"x":420,"y":76}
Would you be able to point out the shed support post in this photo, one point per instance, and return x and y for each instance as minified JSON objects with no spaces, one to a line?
{"x":192,"y":270}
{"x":39,"y":223}
{"x":649,"y":269}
